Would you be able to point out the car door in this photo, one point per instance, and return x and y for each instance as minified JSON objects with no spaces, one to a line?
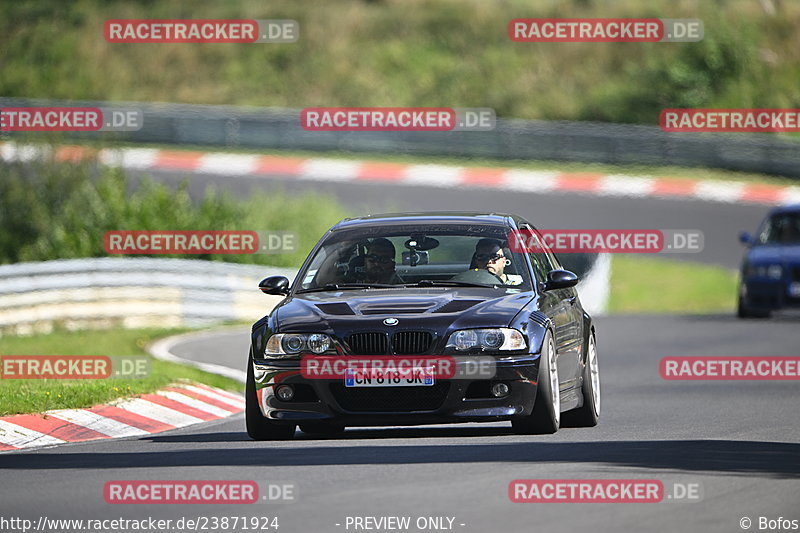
{"x":554,"y":305}
{"x":572,"y":334}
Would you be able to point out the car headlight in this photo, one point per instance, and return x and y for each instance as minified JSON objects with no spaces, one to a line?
{"x":291,"y":344}
{"x":774,"y":272}
{"x":318,"y":343}
{"x":764,"y":271}
{"x":489,"y":339}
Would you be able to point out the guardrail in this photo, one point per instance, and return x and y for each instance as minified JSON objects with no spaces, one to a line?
{"x":130,"y":292}
{"x":155,"y":292}
{"x":269,"y":128}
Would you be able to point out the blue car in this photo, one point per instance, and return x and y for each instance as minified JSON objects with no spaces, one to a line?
{"x":770,"y":270}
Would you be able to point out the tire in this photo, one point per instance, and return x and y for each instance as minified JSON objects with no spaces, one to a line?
{"x":742,"y":311}
{"x":546,"y":415}
{"x":322,"y":428}
{"x":258,"y":427}
{"x":588,"y":414}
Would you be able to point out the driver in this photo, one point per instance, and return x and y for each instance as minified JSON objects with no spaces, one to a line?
{"x":379,"y":262}
{"x":490,"y":255}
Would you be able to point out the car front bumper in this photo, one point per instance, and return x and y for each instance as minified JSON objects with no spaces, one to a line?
{"x":770,"y":295}
{"x":447,"y":401}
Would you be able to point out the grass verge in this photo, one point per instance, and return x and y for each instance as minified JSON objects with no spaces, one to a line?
{"x":35,"y":395}
{"x":655,"y":285}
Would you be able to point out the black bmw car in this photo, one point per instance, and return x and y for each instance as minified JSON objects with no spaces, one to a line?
{"x":423,"y":289}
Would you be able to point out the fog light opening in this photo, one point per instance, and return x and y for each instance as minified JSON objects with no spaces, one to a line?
{"x":499,"y":390}
{"x":285,"y":393}
{"x":259,"y":374}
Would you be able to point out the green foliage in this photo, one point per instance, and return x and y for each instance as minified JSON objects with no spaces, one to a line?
{"x":693,"y":288}
{"x":62,"y":211}
{"x":697,"y":76}
{"x":410,"y":53}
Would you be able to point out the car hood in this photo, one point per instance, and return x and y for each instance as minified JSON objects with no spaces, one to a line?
{"x":430,"y":308}
{"x":771,"y":253}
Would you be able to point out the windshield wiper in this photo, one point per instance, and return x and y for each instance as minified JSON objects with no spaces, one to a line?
{"x":349,"y":286}
{"x":449,"y":283}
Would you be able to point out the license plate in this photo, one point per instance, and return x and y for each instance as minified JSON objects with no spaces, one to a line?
{"x":794,"y":289}
{"x":415,"y":377}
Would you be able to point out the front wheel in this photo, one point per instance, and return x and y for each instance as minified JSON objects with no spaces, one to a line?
{"x":588,"y":414}
{"x":546,"y":415}
{"x":258,"y":427}
{"x":742,"y":311}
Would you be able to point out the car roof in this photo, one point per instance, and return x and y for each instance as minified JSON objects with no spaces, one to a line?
{"x":789,"y":208}
{"x":441,"y":217}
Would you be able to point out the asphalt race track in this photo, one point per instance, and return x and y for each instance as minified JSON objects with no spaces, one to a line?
{"x":737,"y":441}
{"x":720,"y":222}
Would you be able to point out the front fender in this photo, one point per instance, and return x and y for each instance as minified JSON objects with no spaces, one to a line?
{"x":533,"y":325}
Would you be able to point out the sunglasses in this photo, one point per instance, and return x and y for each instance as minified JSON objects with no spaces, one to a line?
{"x":379,"y":258}
{"x":489,"y":257}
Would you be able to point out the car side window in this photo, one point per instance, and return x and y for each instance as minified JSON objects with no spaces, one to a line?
{"x":552,"y":261}
{"x":540,"y":266}
{"x":538,"y":259}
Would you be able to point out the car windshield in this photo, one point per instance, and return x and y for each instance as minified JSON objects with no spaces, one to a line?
{"x":781,"y":229}
{"x":394,"y":257}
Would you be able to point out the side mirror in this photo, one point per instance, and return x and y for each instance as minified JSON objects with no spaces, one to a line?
{"x":559,"y":279}
{"x":745,"y":238}
{"x":274,"y":285}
